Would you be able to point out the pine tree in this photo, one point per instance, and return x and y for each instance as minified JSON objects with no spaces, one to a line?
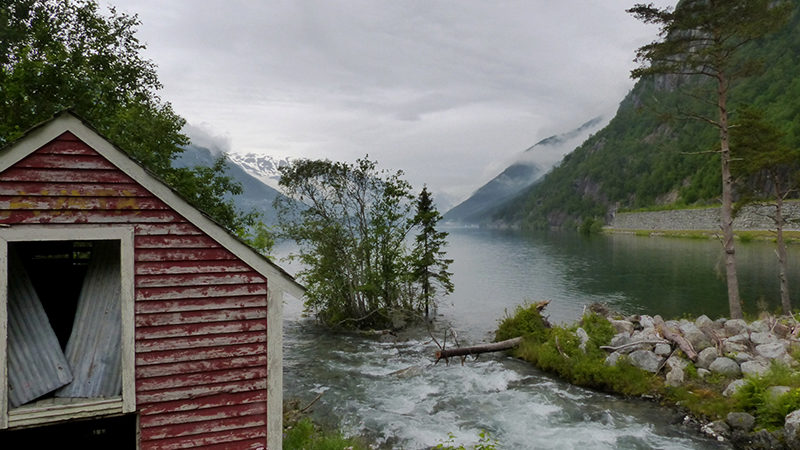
{"x":704,"y":38}
{"x":429,"y":262}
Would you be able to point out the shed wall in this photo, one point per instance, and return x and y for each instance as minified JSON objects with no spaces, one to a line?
{"x":200,"y":313}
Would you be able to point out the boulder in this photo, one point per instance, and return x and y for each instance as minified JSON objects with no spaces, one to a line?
{"x":775,"y":350}
{"x":791,"y":429}
{"x":741,"y":357}
{"x":763,"y":338}
{"x":676,"y":362}
{"x":704,"y":321}
{"x":695,"y":336}
{"x":613,"y":358}
{"x":758,"y":326}
{"x":702,"y":373}
{"x":735,"y":326}
{"x":662,"y":349}
{"x":734,"y":386}
{"x":620,"y":339}
{"x":741,"y":421}
{"x":675,"y":377}
{"x":755,"y":367}
{"x":622,"y":326}
{"x":776,"y":392}
{"x":645,"y":360}
{"x":646,"y":322}
{"x":706,"y":357}
{"x":584,"y":337}
{"x":725,"y":366}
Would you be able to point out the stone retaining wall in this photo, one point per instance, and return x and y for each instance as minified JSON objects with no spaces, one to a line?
{"x":750,"y":218}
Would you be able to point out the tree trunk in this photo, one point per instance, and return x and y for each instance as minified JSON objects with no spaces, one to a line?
{"x":726,"y":212}
{"x":478,"y":349}
{"x":786,"y":304}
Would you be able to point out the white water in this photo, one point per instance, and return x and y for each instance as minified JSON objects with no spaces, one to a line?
{"x":389,"y":389}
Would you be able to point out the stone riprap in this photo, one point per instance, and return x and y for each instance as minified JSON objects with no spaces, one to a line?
{"x":702,"y":219}
{"x":733,"y":349}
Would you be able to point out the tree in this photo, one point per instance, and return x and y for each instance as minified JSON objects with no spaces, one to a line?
{"x":428,"y":261}
{"x":704,"y":38}
{"x":64,"y":54}
{"x":769,"y":170}
{"x":350,"y":222}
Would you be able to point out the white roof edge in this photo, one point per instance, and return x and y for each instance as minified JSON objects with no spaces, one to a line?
{"x":278,"y":278}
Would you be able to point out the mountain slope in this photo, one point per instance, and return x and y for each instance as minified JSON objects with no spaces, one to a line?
{"x":256,"y":194}
{"x":528,"y":168}
{"x":263,"y":167}
{"x":649,"y":155}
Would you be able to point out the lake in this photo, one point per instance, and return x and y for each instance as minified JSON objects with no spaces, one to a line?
{"x":390,"y":390}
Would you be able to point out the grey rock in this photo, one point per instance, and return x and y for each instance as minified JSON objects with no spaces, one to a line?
{"x":741,"y":357}
{"x":734,"y":386}
{"x":729,"y":347}
{"x":697,"y":338}
{"x":755,"y":367}
{"x":758,"y":326}
{"x":763,"y":439}
{"x":676,"y":362}
{"x":791,"y":429}
{"x":674,"y":324}
{"x":645,"y":360}
{"x":776,"y":392}
{"x":622,"y":326}
{"x":702,"y":373}
{"x":717,"y":429}
{"x":613,"y":359}
{"x":620,"y":339}
{"x":735,"y":326}
{"x":675,"y":377}
{"x":584,"y":337}
{"x":741,"y":421}
{"x":706,"y":357}
{"x":662,"y":349}
{"x":775,"y":350}
{"x":703,"y":321}
{"x":646,"y":322}
{"x":720,"y":323}
{"x":725,"y":366}
{"x":763,"y":338}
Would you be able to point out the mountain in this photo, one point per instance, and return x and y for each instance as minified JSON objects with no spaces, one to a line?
{"x":525,"y":171}
{"x":256,"y":195}
{"x":262,"y":167}
{"x":652,"y":153}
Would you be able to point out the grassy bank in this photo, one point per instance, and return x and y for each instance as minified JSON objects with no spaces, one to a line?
{"x":561,"y":351}
{"x":791,"y":237}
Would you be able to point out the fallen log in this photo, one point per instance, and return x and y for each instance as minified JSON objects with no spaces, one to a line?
{"x":670,"y":335}
{"x":478,"y":349}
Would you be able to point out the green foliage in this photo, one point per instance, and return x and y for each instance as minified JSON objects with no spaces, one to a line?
{"x":770,"y":411}
{"x":650,"y":154}
{"x":429,"y":263}
{"x":485,"y":442}
{"x":304,"y":435}
{"x":591,"y":225}
{"x":351,"y":222}
{"x":526,"y":321}
{"x":59,"y":54}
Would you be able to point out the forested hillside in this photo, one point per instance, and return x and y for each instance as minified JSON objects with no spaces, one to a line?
{"x":653,"y":153}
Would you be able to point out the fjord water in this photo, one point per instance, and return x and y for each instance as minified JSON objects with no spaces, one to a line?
{"x":390,"y":390}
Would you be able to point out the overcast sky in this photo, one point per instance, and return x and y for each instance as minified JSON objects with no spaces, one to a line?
{"x":448,"y":91}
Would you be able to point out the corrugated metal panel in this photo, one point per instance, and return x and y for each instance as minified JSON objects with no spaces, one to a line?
{"x":94,"y":346}
{"x":36,"y":364}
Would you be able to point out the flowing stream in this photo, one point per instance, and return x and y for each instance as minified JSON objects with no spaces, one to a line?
{"x":387,"y":387}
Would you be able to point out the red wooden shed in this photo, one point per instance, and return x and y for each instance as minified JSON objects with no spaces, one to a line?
{"x":128,"y":318}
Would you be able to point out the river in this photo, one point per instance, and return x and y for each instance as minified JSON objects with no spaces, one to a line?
{"x":389,"y":389}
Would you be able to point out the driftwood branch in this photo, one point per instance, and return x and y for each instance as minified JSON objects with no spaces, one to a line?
{"x":478,"y":349}
{"x":634,"y":344}
{"x":672,"y":336}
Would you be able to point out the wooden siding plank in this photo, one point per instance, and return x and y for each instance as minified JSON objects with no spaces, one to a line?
{"x":72,"y":161}
{"x":204,"y":429}
{"x":189,"y":342}
{"x":203,"y":415}
{"x":170,"y":241}
{"x":200,"y":328}
{"x":73,"y":189}
{"x":200,"y":304}
{"x":171,"y":382}
{"x":93,"y":217}
{"x":151,"y":254}
{"x":65,"y":176}
{"x":212,"y":401}
{"x":181,"y":292}
{"x":198,"y":354}
{"x":229,"y":438}
{"x":148,"y":281}
{"x":188,"y":367}
{"x":176,"y":229}
{"x":66,"y":147}
{"x":253,"y":444}
{"x":195,"y":392}
{"x":59,"y":203}
{"x":178,"y":267}
{"x":218,"y":315}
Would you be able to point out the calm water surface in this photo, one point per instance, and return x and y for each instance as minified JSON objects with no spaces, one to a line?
{"x":390,"y":390}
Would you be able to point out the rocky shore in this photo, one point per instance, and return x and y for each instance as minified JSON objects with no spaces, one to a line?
{"x":731,"y":350}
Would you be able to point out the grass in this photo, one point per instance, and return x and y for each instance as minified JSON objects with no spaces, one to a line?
{"x":791,"y":237}
{"x":305,"y":435}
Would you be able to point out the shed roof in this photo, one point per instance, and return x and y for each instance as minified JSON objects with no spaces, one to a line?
{"x":69,"y":122}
